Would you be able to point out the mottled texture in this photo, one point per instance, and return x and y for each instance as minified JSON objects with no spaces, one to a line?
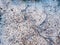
{"x":29,"y":22}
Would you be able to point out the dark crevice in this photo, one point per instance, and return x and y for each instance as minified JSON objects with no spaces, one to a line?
{"x":1,"y":16}
{"x":58,"y":2}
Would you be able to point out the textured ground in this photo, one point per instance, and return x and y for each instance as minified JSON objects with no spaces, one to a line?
{"x":29,"y":22}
